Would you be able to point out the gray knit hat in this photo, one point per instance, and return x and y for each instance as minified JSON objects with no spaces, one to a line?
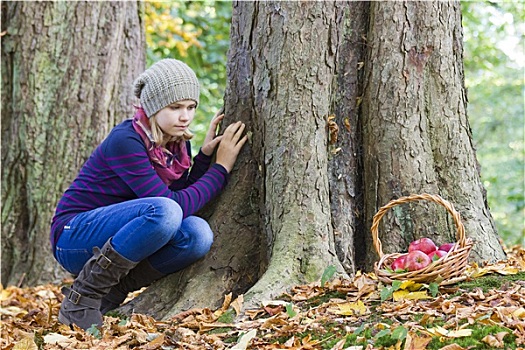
{"x":164,"y":83}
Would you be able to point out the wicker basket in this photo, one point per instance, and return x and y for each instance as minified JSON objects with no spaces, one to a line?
{"x":447,"y":270}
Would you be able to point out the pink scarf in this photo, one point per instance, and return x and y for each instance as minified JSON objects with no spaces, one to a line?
{"x":170,"y":162}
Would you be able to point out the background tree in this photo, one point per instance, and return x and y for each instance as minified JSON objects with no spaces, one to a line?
{"x":494,"y":66}
{"x":290,"y":78}
{"x":196,"y":32}
{"x":67,"y":73}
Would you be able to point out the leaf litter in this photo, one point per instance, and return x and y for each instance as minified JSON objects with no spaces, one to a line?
{"x":314,"y":316}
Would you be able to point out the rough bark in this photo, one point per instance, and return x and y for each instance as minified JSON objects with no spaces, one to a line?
{"x":67,"y":73}
{"x":416,"y":134}
{"x":345,"y":167}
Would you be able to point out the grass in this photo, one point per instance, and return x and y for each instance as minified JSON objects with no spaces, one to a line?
{"x":489,"y":282}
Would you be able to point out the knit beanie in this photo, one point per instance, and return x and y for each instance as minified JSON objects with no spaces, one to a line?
{"x":165,"y":82}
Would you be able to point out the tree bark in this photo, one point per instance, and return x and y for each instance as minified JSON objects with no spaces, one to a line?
{"x":416,"y":133}
{"x":67,"y":73}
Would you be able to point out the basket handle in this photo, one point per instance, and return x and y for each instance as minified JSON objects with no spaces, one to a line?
{"x":460,"y":235}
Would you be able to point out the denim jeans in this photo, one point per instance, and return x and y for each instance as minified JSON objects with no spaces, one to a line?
{"x":150,"y":228}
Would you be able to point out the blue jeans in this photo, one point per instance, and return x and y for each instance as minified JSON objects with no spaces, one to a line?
{"x":150,"y":228}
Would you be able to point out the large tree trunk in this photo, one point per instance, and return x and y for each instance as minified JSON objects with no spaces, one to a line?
{"x":277,"y":208}
{"x":416,"y":134}
{"x":318,"y":167}
{"x":67,"y":73}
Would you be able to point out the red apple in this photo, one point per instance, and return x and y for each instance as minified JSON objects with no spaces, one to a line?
{"x":437,"y":254}
{"x":423,"y":244}
{"x":399,"y":263}
{"x":416,"y":260}
{"x":447,"y":246}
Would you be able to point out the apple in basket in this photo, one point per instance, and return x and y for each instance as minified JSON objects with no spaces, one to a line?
{"x":426,"y":245}
{"x":416,"y":260}
{"x":399,"y":263}
{"x":437,"y":254}
{"x":447,"y":247}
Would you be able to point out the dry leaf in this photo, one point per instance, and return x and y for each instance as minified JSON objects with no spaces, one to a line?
{"x":495,"y":340}
{"x":406,"y":295}
{"x":442,"y":332}
{"x":26,"y":344}
{"x":357,"y":308}
{"x":415,"y":342}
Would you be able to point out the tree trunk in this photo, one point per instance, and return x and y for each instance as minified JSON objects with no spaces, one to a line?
{"x":276,"y":209}
{"x":318,"y":167}
{"x":67,"y":73}
{"x":416,"y":134}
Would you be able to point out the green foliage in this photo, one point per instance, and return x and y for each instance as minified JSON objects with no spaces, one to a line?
{"x":94,"y":331}
{"x":494,"y":66}
{"x":387,"y":291}
{"x":227,"y":317}
{"x":327,"y":274}
{"x":196,"y":32}
{"x":290,"y":311}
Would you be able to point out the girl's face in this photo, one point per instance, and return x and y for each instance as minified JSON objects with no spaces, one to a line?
{"x":175,"y":119}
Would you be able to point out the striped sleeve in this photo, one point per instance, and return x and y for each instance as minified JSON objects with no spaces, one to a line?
{"x":127,"y":157}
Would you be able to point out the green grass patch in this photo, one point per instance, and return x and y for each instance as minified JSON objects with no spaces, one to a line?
{"x":489,"y":282}
{"x":475,"y":340}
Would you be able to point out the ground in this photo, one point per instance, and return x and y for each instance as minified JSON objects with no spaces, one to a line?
{"x":486,"y":311}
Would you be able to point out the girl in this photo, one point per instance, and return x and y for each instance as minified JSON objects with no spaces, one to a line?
{"x":136,"y":195}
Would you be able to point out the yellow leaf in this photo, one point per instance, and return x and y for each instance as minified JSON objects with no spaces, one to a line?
{"x":519,"y":313}
{"x":26,"y":343}
{"x":406,"y":295}
{"x":357,"y":308}
{"x":508,"y":270}
{"x":410,"y":285}
{"x":442,"y":332}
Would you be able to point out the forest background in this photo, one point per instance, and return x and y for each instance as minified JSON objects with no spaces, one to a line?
{"x":197,"y":32}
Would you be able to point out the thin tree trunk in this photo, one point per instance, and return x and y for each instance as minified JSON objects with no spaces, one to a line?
{"x":67,"y":73}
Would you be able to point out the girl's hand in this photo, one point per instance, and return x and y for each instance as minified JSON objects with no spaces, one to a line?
{"x":231,"y":145}
{"x":212,"y":140}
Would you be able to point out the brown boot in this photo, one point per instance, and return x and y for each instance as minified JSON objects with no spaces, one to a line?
{"x":104,"y":270}
{"x":141,"y":276}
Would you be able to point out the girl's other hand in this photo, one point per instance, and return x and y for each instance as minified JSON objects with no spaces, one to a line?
{"x":231,"y":144}
{"x":212,"y":140}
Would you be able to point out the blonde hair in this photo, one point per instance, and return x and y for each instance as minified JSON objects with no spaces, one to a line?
{"x":161,"y":138}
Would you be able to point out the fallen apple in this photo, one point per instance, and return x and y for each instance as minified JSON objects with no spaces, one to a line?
{"x":426,"y":245}
{"x":437,"y":254}
{"x":399,"y":263}
{"x":447,"y":246}
{"x":416,"y":260}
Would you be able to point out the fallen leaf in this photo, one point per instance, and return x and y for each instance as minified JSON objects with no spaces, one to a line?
{"x":415,"y":342}
{"x":244,"y":340}
{"x":406,"y":295}
{"x":495,"y":340}
{"x":357,"y":308}
{"x":443,"y":332}
{"x":26,"y":343}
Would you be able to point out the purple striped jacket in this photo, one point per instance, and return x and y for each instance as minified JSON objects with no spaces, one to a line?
{"x":119,"y":170}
